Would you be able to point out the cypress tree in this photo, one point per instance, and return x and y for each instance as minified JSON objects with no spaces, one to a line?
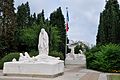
{"x":27,"y":13}
{"x":109,"y":26}
{"x":23,"y":16}
{"x":34,"y":16}
{"x":1,"y":17}
{"x":40,"y":17}
{"x":9,"y":24}
{"x":57,"y":19}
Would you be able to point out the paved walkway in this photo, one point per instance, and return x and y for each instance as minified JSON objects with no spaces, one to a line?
{"x":72,"y":72}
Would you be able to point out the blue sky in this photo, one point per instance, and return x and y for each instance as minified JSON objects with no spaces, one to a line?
{"x":83,"y":14}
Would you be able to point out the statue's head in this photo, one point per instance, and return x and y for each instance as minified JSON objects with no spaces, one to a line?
{"x":42,"y":31}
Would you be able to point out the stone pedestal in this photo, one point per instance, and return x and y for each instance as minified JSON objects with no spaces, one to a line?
{"x":40,"y":65}
{"x":34,"y":69}
{"x":78,"y":59}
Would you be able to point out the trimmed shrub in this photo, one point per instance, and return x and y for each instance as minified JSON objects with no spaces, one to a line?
{"x":105,"y":58}
{"x":8,"y":58}
{"x":90,"y":56}
{"x":56,"y":54}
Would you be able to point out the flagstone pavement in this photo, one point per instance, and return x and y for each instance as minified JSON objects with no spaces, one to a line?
{"x":72,"y":72}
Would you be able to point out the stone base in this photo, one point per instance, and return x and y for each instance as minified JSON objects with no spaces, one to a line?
{"x":76,"y":61}
{"x":33,"y":69}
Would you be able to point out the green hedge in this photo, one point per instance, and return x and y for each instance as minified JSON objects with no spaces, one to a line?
{"x":56,"y":54}
{"x":8,"y":58}
{"x":33,"y":53}
{"x":104,"y":58}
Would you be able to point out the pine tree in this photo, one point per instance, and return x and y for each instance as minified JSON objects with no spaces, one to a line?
{"x":9,"y":24}
{"x":57,"y":19}
{"x":23,"y":16}
{"x":1,"y":24}
{"x":109,"y":27}
{"x":40,"y":17}
{"x":34,"y":17}
{"x":27,"y":13}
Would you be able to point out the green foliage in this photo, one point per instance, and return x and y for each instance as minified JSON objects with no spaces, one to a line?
{"x":28,"y":38}
{"x":76,"y":49}
{"x":104,"y":58}
{"x":81,"y":46}
{"x":54,"y":39}
{"x":33,"y":53}
{"x":2,"y":48}
{"x":8,"y":58}
{"x":109,"y":26}
{"x":8,"y":25}
{"x":90,"y":56}
{"x":23,"y":15}
{"x":56,"y":54}
{"x":40,"y":17}
{"x":57,"y":19}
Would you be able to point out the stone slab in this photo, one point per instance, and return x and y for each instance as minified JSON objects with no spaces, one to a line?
{"x":77,"y":61}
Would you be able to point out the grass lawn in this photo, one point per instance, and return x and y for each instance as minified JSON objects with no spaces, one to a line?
{"x":114,"y":77}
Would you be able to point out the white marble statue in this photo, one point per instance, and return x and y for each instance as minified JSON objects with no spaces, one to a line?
{"x":42,"y":64}
{"x":24,"y":58}
{"x":21,"y":58}
{"x":81,"y":52}
{"x":27,"y":56}
{"x":72,"y":50}
{"x":43,"y":45}
{"x":71,"y":55}
{"x":14,"y":60}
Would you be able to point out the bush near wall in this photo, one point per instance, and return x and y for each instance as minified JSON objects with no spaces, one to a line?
{"x":8,"y":58}
{"x":33,"y":53}
{"x":56,"y":54}
{"x":16,"y":55}
{"x":104,"y":58}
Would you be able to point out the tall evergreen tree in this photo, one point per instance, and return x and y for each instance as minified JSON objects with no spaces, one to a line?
{"x":27,"y":13}
{"x":23,"y":16}
{"x":9,"y":24}
{"x":1,"y":28}
{"x":34,"y":16}
{"x":32,"y":19}
{"x":1,"y":17}
{"x":57,"y":19}
{"x":40,"y":17}
{"x":109,"y":27}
